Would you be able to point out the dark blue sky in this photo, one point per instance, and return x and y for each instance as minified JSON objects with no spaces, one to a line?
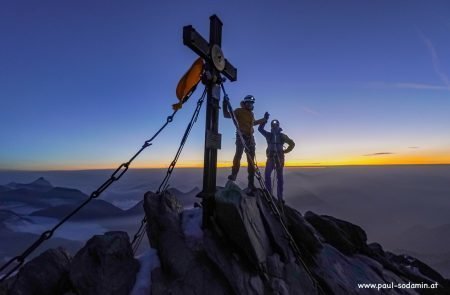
{"x":84,"y":83}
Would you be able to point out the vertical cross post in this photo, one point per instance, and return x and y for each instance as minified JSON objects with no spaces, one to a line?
{"x":212,"y":126}
{"x":215,"y":65}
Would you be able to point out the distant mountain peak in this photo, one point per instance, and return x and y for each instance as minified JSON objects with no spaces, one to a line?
{"x":41,"y":181}
{"x":40,"y":184}
{"x":194,"y":190}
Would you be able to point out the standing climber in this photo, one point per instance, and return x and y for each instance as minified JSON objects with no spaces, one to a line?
{"x":246,"y":120}
{"x":275,"y":155}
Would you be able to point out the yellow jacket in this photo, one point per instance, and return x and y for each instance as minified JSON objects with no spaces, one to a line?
{"x":245,"y":119}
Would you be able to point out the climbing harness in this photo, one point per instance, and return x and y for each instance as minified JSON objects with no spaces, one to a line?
{"x":268,"y":195}
{"x":135,"y":243}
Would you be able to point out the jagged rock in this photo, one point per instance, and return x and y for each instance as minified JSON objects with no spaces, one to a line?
{"x":189,"y":269}
{"x":245,"y":251}
{"x":45,"y":274}
{"x":183,"y":270}
{"x":274,"y":230}
{"x":344,"y":236}
{"x":415,"y":270}
{"x":240,"y":219}
{"x":165,"y":233}
{"x":236,"y":254}
{"x":376,"y":249}
{"x":304,"y":235}
{"x":241,"y":278}
{"x":105,"y":265}
{"x":356,"y":262}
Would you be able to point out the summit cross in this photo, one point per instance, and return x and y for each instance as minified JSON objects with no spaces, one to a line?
{"x":216,"y":65}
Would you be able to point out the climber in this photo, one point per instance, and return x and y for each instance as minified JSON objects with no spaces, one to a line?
{"x":275,"y":155}
{"x":246,"y":121}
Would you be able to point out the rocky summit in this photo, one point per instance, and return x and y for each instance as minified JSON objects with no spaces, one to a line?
{"x":245,"y":250}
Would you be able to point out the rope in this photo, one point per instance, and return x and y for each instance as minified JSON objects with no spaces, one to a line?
{"x":267,"y":195}
{"x":116,"y":175}
{"x":137,"y":239}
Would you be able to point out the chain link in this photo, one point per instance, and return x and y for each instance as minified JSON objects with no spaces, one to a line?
{"x":116,"y":175}
{"x":123,"y":168}
{"x":135,"y":243}
{"x":138,"y":235}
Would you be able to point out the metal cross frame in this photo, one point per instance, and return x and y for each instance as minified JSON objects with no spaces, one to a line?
{"x":216,"y":65}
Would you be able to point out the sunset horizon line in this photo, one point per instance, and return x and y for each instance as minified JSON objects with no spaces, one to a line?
{"x":225,"y":166}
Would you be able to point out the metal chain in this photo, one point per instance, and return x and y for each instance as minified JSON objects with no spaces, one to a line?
{"x":194,"y":118}
{"x":139,"y":235}
{"x":164,"y":183}
{"x":268,"y":195}
{"x":116,"y":175}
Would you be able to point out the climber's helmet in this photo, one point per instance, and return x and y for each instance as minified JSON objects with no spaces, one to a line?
{"x":248,"y":101}
{"x":275,"y":124}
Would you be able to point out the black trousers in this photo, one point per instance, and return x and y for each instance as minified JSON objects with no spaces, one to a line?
{"x":250,"y":143}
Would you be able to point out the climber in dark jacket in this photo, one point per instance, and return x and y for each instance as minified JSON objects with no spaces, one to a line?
{"x":246,"y":120}
{"x":275,"y":155}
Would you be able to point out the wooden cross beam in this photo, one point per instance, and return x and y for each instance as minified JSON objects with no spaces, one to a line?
{"x":216,"y":64}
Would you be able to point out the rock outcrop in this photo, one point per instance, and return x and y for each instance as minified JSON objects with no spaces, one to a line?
{"x":46,"y":274}
{"x":184,"y":270}
{"x":105,"y":265}
{"x":245,"y":251}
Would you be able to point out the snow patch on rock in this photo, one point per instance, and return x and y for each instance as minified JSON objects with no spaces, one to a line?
{"x":148,"y":261}
{"x":191,"y":224}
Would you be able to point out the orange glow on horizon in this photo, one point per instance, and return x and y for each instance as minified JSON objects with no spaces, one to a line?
{"x":350,"y":161}
{"x":435,"y":157}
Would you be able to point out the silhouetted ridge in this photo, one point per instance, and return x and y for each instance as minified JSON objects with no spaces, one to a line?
{"x":244,"y":251}
{"x":40,"y":184}
{"x":95,"y":209}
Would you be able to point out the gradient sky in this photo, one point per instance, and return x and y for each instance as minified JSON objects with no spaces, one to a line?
{"x":84,"y":83}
